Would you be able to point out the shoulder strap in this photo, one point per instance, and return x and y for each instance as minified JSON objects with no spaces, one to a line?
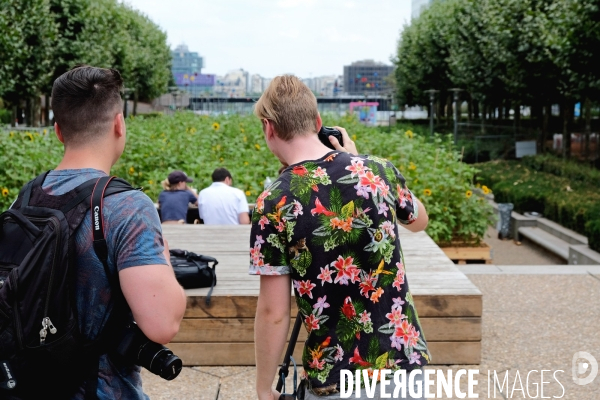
{"x":97,"y":203}
{"x":99,"y":191}
{"x":30,"y":185}
{"x":283,"y":371}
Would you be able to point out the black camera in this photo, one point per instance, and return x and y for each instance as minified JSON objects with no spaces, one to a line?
{"x":324,"y":134}
{"x":136,"y":348}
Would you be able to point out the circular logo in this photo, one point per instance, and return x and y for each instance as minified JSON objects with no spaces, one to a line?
{"x":11,"y":384}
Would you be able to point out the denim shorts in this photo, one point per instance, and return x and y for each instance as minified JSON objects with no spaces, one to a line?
{"x":418,"y":382}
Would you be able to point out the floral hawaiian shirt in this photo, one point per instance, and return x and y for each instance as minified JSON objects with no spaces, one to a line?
{"x":331,"y":224}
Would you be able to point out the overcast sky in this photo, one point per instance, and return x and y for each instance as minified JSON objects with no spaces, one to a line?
{"x":272,"y":37}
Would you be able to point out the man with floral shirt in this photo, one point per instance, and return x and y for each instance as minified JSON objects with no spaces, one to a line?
{"x":327,"y":226}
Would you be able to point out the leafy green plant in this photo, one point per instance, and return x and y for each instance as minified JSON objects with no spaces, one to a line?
{"x":571,"y":203}
{"x":572,"y":170}
{"x":199,"y":144}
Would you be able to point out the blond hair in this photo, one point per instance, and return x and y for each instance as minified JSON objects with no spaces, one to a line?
{"x":166,"y":185}
{"x":290,"y":106}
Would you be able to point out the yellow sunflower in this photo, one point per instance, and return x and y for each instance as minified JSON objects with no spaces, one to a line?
{"x":248,"y":193}
{"x":409,"y":134}
{"x":4,"y":192}
{"x":29,"y":135}
{"x":257,"y":146}
{"x":131,"y":170}
{"x":216,"y":126}
{"x":427,"y":192}
{"x":150,"y":182}
{"x":412,"y":166}
{"x":468,"y":194}
{"x":486,"y":190}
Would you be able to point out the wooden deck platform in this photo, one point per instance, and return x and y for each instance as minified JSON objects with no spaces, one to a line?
{"x":448,"y":303}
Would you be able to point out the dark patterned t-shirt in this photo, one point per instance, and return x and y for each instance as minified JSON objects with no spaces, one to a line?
{"x":331,"y":225}
{"x":134,"y":238}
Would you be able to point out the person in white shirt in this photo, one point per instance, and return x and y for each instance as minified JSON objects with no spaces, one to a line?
{"x":222,"y":204}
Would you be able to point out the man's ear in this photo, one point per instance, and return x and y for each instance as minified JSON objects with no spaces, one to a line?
{"x":270,"y":130}
{"x":119,"y":125}
{"x":319,"y":122}
{"x":59,"y":134}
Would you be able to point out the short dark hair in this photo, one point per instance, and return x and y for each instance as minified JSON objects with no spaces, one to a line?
{"x":84,"y":101}
{"x":220,"y":174}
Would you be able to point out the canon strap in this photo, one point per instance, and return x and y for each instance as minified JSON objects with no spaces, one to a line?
{"x":97,"y":223}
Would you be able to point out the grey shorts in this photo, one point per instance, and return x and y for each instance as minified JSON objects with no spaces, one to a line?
{"x":418,"y":382}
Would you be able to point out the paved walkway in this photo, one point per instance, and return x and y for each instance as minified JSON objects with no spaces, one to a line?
{"x":530,"y":322}
{"x":536,"y":315}
{"x":507,"y":252}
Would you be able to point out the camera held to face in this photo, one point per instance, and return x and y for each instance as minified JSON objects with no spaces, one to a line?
{"x":135,"y":347}
{"x":324,"y":134}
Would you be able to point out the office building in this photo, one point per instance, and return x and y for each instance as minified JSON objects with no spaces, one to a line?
{"x":235,"y":83}
{"x":186,"y":69}
{"x":367,"y":77}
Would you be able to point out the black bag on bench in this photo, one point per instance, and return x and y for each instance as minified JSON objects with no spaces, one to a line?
{"x":194,"y":271}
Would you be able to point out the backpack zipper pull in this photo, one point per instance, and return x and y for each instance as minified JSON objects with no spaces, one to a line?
{"x":43,"y":332}
{"x":51,"y":326}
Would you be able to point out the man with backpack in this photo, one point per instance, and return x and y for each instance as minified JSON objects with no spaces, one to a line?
{"x":132,"y":277}
{"x":327,"y":227}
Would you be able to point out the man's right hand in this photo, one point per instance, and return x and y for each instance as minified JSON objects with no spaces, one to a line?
{"x":349,"y":146}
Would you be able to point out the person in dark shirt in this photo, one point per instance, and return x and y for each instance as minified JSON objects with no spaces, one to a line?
{"x":328,"y":227}
{"x":174,"y":200}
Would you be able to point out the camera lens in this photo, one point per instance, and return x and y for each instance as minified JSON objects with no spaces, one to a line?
{"x":171,"y":367}
{"x":159,"y":360}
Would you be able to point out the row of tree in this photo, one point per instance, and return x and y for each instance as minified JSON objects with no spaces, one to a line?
{"x":42,"y":39}
{"x":505,"y":54}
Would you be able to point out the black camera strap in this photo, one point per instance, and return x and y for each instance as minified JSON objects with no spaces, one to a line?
{"x":101,"y":190}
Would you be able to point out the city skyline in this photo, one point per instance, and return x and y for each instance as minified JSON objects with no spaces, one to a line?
{"x":301,"y":37}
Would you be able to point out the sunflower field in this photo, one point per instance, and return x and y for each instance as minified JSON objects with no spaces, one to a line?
{"x":198,"y":144}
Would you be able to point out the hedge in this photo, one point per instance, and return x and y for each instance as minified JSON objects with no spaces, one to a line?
{"x":573,"y":203}
{"x":572,"y":170}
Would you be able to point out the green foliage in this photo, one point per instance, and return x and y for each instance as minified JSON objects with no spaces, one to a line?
{"x":26,"y":37}
{"x":572,"y":203}
{"x":199,"y":144}
{"x":524,"y":51}
{"x":42,"y":39}
{"x":572,"y":170}
{"x":5,"y":116}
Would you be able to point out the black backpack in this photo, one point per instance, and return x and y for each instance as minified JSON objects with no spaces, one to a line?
{"x":42,"y":352}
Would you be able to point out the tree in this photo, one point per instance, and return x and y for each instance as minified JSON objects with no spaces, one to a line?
{"x":146,"y":57}
{"x":27,"y":33}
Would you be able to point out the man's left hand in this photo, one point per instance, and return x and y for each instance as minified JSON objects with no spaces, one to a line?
{"x":349,"y":146}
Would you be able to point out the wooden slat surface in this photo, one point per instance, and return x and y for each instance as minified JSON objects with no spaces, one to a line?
{"x":203,"y":330}
{"x":429,"y":271}
{"x":449,"y":305}
{"x":442,"y":353}
{"x":244,"y":306}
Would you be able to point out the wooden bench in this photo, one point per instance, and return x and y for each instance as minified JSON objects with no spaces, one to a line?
{"x":448,"y":303}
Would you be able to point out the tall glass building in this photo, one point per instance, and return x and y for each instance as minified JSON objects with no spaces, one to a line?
{"x":185,"y":61}
{"x":186,"y":69}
